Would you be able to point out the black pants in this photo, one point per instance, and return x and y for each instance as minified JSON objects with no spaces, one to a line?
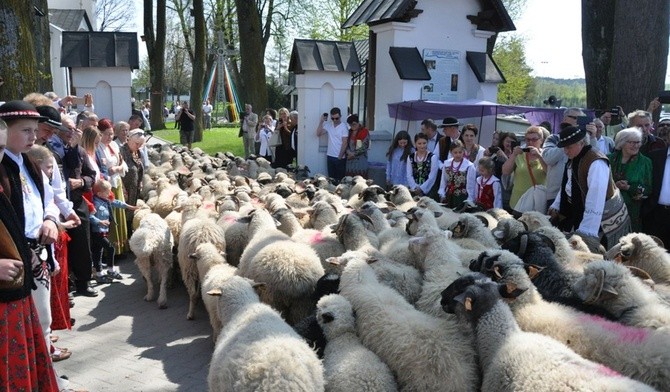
{"x":657,"y":223}
{"x":79,"y":248}
{"x":101,"y":249}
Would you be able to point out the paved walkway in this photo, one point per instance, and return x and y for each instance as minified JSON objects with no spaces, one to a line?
{"x":122,"y":343}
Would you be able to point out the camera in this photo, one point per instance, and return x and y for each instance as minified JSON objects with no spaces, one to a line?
{"x":325,"y":116}
{"x":493,"y":150}
{"x":515,"y":143}
{"x":526,"y":149}
{"x":664,"y":96}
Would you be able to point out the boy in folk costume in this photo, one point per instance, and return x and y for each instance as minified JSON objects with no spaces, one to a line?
{"x":458,"y":177}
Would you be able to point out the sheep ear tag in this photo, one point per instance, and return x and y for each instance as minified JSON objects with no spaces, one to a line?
{"x":464,"y":300}
{"x":532,"y":270}
{"x":468,"y":304}
{"x":458,"y":229}
{"x":510,"y":290}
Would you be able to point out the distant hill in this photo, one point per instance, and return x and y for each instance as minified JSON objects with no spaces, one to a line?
{"x":571,"y":92}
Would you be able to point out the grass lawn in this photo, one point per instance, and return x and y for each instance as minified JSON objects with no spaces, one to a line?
{"x":213,"y":140}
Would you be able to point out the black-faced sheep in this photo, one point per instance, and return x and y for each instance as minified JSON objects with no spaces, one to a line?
{"x":349,"y":366}
{"x":425,"y":353}
{"x":257,"y":350}
{"x":514,"y":360}
{"x":638,"y":353}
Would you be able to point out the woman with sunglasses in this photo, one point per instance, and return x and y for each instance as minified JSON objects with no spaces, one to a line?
{"x":527,"y":164}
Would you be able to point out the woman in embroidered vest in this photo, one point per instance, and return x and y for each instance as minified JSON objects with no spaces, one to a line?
{"x":357,"y":148}
{"x":631,"y":172}
{"x":473,"y":151}
{"x":527,"y":164}
{"x":421,"y":167}
{"x":23,"y":348}
{"x":132,"y":181}
{"x":488,"y":192}
{"x":589,"y":203}
{"x":458,"y":177}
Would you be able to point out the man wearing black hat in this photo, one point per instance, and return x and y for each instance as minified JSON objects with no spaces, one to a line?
{"x":588,"y":201}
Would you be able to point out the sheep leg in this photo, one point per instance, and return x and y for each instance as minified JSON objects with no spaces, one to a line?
{"x":164,"y":273}
{"x":216,"y":325}
{"x":192,"y":288}
{"x":144,"y":266}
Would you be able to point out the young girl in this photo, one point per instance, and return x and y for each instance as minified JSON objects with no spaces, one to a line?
{"x":396,"y":168}
{"x":263,"y":137}
{"x":421,"y":167}
{"x":488,"y":192}
{"x":100,"y":222}
{"x":458,"y":177}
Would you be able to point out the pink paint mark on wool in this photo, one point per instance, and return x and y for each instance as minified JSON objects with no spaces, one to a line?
{"x":602,"y":369}
{"x":316,"y":238}
{"x":625,"y":333}
{"x":230,"y":219}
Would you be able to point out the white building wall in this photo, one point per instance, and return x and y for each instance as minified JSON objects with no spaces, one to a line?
{"x":59,"y":74}
{"x":110,"y":88}
{"x":443,"y":25}
{"x":319,"y":92}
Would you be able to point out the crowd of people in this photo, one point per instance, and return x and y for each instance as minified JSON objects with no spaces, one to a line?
{"x":598,"y":179}
{"x":69,"y":182}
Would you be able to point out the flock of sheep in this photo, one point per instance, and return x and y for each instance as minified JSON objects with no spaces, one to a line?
{"x":312,"y":287}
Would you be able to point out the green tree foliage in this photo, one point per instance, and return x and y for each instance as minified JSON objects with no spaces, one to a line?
{"x":511,"y":59}
{"x":571,"y":92}
{"x":323,"y":20}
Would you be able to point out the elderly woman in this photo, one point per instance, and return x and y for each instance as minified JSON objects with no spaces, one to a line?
{"x":121,"y":130}
{"x":527,"y":164}
{"x":357,"y":148}
{"x":631,"y":172}
{"x":132,"y":181}
{"x":110,"y":153}
{"x":284,"y":153}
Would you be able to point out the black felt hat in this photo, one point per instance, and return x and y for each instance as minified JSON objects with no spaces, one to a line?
{"x":450,"y":122}
{"x":570,"y":136}
{"x":15,"y":110}
{"x":53,"y":118}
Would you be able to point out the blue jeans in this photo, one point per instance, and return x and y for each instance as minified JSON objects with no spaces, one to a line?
{"x":336,"y":168}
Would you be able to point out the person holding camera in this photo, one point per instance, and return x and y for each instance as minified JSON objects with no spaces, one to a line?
{"x":499,"y":154}
{"x":527,"y":164}
{"x":617,"y":116}
{"x":338,"y":136}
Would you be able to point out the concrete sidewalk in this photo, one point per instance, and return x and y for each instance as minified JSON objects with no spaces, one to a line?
{"x":122,"y":343}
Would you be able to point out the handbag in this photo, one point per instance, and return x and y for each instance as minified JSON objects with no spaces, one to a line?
{"x":8,"y":250}
{"x":534,"y":198}
{"x":275,"y":139}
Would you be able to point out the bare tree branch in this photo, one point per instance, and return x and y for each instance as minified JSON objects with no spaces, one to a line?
{"x":115,"y":15}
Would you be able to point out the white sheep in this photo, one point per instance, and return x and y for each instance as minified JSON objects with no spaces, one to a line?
{"x":642,"y":251}
{"x":470,"y":232}
{"x":196,"y":230}
{"x":534,"y":220}
{"x":447,"y":217}
{"x":425,"y":353}
{"x":152,"y":245}
{"x":438,"y":259}
{"x":613,"y":287}
{"x":289,"y":269}
{"x":212,"y":271}
{"x":392,"y":240}
{"x":325,"y":213}
{"x":349,"y":366}
{"x":514,"y":360}
{"x":402,"y":198}
{"x":257,"y":350}
{"x":638,"y":353}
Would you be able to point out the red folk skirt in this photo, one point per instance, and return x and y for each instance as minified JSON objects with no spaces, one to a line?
{"x":25,"y":364}
{"x":60,"y":301}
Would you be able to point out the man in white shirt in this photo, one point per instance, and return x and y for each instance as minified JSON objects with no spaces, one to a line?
{"x":338,"y":136}
{"x":207,"y":111}
{"x":588,"y":201}
{"x":605,"y":144}
{"x":656,"y":209}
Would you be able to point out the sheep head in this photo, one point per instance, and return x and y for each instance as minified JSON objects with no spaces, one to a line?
{"x":597,"y":285}
{"x":633,"y":246}
{"x":335,"y":316}
{"x":473,"y":295}
{"x":505,"y":267}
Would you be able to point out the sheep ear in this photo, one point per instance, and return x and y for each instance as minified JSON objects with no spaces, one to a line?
{"x":636,"y":242}
{"x":532,"y":270}
{"x":371,"y":260}
{"x":464,"y":300}
{"x":510,"y":290}
{"x":365,"y":218}
{"x":333,"y":261}
{"x":498,"y":234}
{"x":437,"y":214}
{"x":608,"y":292}
{"x":244,"y":219}
{"x":417,"y":240}
{"x":448,"y":233}
{"x":259,"y":288}
{"x":214,"y":292}
{"x":193,"y":256}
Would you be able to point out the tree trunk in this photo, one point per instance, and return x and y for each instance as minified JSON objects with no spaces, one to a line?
{"x":625,"y":58}
{"x":42,"y":40}
{"x":199,"y":57}
{"x":18,"y":68}
{"x":252,"y":67}
{"x":156,"y":51}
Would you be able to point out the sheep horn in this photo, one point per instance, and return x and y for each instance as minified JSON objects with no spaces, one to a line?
{"x":496,"y":272}
{"x":598,"y":289}
{"x":614,"y":252}
{"x":523,"y":245}
{"x":639,"y":272}
{"x":658,"y":241}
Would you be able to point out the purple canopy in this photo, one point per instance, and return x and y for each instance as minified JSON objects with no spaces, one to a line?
{"x":419,"y":110}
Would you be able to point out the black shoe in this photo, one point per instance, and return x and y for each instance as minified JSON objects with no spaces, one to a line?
{"x":88,"y":292}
